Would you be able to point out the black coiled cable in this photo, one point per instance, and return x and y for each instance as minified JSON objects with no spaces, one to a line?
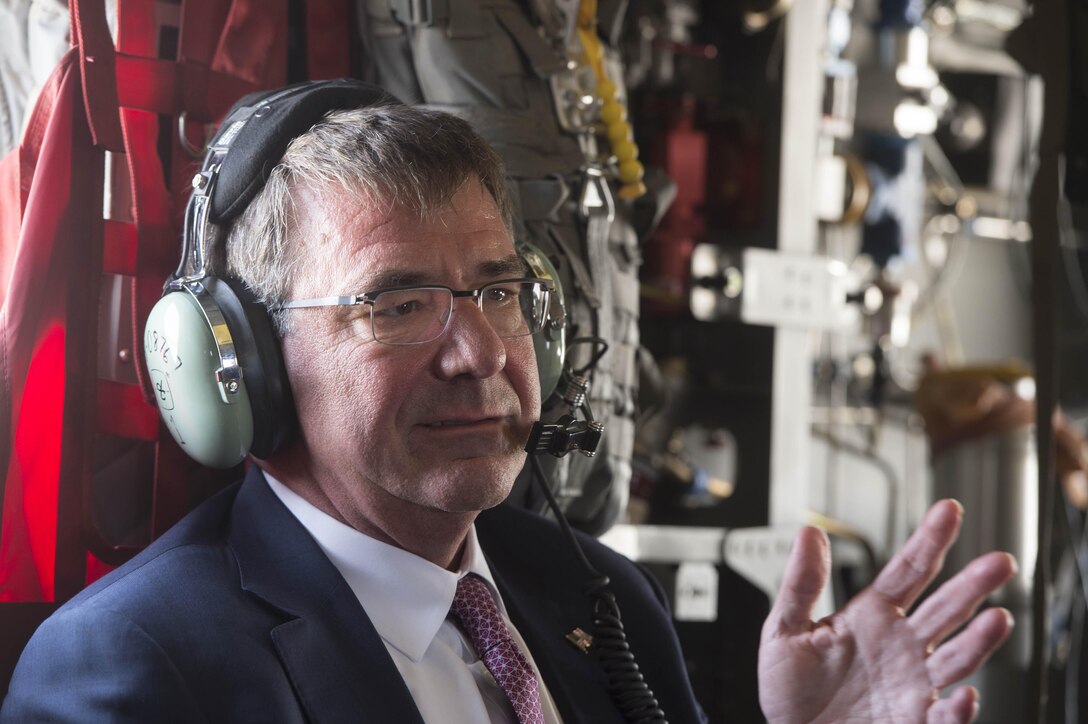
{"x":626,"y":685}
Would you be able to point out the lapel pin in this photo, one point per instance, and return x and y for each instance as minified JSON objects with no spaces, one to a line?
{"x":580,"y":640}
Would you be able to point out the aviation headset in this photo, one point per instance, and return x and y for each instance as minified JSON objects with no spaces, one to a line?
{"x":212,"y":354}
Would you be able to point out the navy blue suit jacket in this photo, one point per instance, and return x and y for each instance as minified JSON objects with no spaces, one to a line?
{"x":235,"y":615}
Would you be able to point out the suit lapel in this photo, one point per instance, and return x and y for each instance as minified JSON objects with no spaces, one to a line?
{"x":542,"y":593}
{"x":335,"y":659}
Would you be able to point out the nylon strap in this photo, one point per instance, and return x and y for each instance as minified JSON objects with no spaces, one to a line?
{"x":118,"y":248}
{"x":96,"y":63}
{"x":542,"y":56}
{"x":168,"y":87}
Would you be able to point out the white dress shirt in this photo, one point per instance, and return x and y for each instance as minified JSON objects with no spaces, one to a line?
{"x":408,"y":600}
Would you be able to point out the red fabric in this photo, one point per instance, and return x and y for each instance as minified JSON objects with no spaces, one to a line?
{"x":28,"y":544}
{"x":123,"y":411}
{"x":202,"y":23}
{"x":57,"y":170}
{"x":119,"y":248}
{"x":168,"y":87}
{"x":253,"y":43}
{"x":328,"y":39}
{"x":54,"y":245}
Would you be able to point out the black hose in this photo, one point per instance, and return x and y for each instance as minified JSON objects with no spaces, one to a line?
{"x":626,"y":684}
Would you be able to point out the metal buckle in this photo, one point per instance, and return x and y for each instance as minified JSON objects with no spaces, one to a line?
{"x":596,"y":196}
{"x":419,"y":12}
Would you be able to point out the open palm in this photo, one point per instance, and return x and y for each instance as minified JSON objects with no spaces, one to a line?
{"x":872,"y":660}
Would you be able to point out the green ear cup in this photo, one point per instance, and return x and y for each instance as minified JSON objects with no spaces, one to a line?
{"x":550,"y":342}
{"x":210,"y":422}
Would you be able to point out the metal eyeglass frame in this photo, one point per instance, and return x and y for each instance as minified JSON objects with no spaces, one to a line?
{"x":351,"y":300}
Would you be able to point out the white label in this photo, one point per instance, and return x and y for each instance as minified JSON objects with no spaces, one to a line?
{"x":696,"y":592}
{"x":228,"y":138}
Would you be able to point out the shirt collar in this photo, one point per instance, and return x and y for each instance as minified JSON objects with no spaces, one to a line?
{"x":406,"y":597}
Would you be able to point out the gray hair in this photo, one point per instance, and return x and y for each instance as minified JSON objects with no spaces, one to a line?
{"x":411,"y":158}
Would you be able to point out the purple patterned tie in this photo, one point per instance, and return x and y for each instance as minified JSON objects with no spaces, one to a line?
{"x":481,"y":620}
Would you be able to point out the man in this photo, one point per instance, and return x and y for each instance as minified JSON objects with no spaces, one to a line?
{"x":331,"y":584}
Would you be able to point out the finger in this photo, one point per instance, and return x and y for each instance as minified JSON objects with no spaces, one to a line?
{"x":804,"y":579}
{"x":961,"y":706}
{"x":952,"y":604}
{"x":962,"y":655}
{"x":917,"y":563}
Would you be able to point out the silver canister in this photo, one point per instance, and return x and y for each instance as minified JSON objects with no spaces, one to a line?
{"x":990,"y":466}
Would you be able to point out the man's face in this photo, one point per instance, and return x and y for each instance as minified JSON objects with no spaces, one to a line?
{"x":388,"y":429}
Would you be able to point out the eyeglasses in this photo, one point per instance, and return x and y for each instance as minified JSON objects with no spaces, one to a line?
{"x":418,"y":314}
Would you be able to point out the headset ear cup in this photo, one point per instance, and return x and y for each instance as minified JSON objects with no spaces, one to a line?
{"x":258,"y":349}
{"x":206,"y":412}
{"x":205,"y":330}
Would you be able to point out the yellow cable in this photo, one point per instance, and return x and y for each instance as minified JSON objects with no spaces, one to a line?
{"x":613,"y":113}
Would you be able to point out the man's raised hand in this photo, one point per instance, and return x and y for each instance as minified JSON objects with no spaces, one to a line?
{"x":875,"y":660}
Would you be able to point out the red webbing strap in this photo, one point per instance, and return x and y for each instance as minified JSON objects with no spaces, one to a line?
{"x":156,"y":240}
{"x":118,"y":248}
{"x":146,"y":249}
{"x":137,"y":35}
{"x":328,"y":39}
{"x":168,"y":87}
{"x":84,"y":251}
{"x":136,"y":28}
{"x":91,"y":35}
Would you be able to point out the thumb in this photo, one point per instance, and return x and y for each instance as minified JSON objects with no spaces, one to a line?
{"x":806,"y":575}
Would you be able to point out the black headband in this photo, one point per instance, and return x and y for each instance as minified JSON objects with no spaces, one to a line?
{"x":272,"y":119}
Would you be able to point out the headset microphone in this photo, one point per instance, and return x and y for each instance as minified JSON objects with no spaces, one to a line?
{"x":564,"y":435}
{"x":567,"y":433}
